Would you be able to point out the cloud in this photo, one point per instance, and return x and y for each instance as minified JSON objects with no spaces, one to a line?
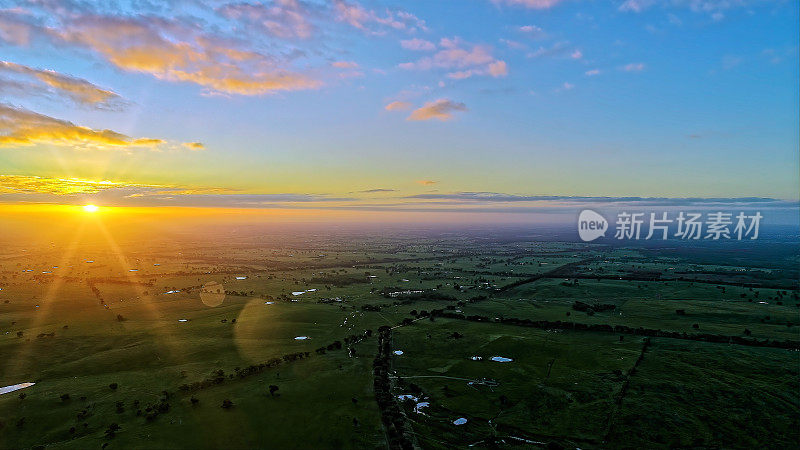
{"x":498,"y":69}
{"x":175,"y":49}
{"x":560,"y":49}
{"x":464,"y":59}
{"x":228,"y":48}
{"x":57,"y":186}
{"x":170,"y":51}
{"x":633,"y":67}
{"x":715,"y":9}
{"x":281,"y":18}
{"x":730,"y":61}
{"x":34,"y":189}
{"x":72,"y":191}
{"x":417,"y":45}
{"x":398,"y":106}
{"x":374,"y":191}
{"x":635,"y":5}
{"x":194,"y":145}
{"x":21,"y":127}
{"x":28,"y":80}
{"x":345,"y":64}
{"x":566,"y":87}
{"x":514,"y":44}
{"x":532,"y":31}
{"x":31,"y":184}
{"x":15,"y":31}
{"x":530,"y":4}
{"x":460,"y":75}
{"x":373,"y":22}
{"x":592,"y":72}
{"x":441,"y":109}
{"x":495,"y":197}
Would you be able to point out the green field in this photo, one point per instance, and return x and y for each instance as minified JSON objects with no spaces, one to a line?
{"x":125,"y":353}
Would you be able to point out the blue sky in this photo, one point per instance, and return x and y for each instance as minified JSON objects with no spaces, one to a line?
{"x":674,"y":98}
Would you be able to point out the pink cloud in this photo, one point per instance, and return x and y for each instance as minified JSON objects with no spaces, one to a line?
{"x":530,"y":4}
{"x":366,"y":19}
{"x":344,"y":64}
{"x":464,"y":59}
{"x":498,"y":69}
{"x":282,"y":18}
{"x":417,"y":45}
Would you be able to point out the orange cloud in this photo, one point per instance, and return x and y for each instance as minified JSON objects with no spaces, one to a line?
{"x":30,"y":184}
{"x":21,"y":127}
{"x":174,"y":52}
{"x":426,"y":182}
{"x":194,"y":145}
{"x":398,"y":106}
{"x":441,"y":109}
{"x":58,"y":186}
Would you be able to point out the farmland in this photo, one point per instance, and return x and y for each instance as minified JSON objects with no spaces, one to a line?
{"x":422,"y":339}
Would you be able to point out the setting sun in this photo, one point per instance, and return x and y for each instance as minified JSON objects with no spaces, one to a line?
{"x":90,"y":208}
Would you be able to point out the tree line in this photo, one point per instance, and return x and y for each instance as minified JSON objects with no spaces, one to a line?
{"x":623,"y":329}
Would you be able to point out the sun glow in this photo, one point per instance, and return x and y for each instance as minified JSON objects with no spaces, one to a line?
{"x":90,"y":208}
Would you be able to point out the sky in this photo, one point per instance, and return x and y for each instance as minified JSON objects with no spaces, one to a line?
{"x":497,"y":106}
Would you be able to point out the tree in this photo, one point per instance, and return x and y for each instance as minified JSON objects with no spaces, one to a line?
{"x":113,"y":386}
{"x":272,"y":389}
{"x":112,"y":429}
{"x":503,"y":401}
{"x":227,"y":404}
